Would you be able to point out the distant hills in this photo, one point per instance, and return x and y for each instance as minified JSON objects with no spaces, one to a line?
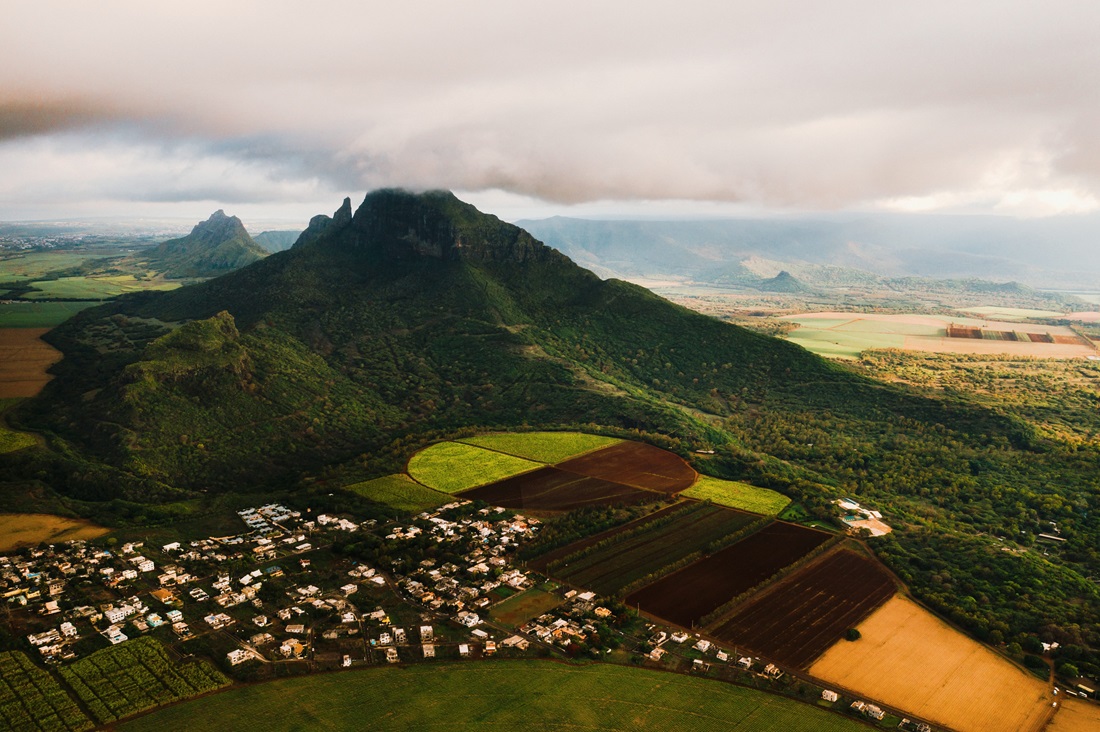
{"x":277,"y":241}
{"x":1060,"y":252}
{"x":216,"y":246}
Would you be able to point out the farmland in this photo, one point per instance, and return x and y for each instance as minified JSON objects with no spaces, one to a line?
{"x":912,"y":660}
{"x":699,"y":589}
{"x":1075,"y":716}
{"x":636,"y":464}
{"x":846,"y":335}
{"x":134,"y":676}
{"x":29,"y":529}
{"x":38,"y":314}
{"x":544,"y":447}
{"x":518,"y":609}
{"x":24,"y":358}
{"x":631,"y":556}
{"x":451,"y":467}
{"x":31,"y":699}
{"x":494,"y":695}
{"x":796,"y":620}
{"x":551,"y":489}
{"x":401,"y":492}
{"x":735,"y":494}
{"x":96,"y":288}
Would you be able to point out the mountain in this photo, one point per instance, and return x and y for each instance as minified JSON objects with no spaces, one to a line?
{"x":216,"y":246}
{"x":277,"y":241}
{"x":783,"y":282}
{"x":1057,"y":252}
{"x":415,"y":313}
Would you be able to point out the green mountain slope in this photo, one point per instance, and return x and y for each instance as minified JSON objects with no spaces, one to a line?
{"x":417,"y":316}
{"x":216,"y":246}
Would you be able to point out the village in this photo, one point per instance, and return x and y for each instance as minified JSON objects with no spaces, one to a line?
{"x":278,"y":599}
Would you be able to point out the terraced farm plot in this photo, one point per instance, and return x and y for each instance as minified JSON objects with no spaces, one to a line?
{"x":636,"y":464}
{"x":496,"y":695}
{"x":913,"y":661}
{"x":401,"y":492}
{"x":645,"y":552}
{"x":795,"y":621}
{"x":31,"y":699}
{"x":134,"y":676}
{"x":545,"y":447}
{"x":451,"y":467}
{"x":734,"y":494}
{"x":551,"y":489}
{"x":687,"y":595}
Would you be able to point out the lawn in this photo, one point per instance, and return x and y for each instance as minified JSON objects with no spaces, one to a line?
{"x":518,"y":609}
{"x":502,"y":695}
{"x":401,"y":492}
{"x":38,"y":314}
{"x":545,"y":447}
{"x":452,"y":466}
{"x":737,"y":495}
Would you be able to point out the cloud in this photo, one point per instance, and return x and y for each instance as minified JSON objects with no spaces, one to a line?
{"x":781,"y":104}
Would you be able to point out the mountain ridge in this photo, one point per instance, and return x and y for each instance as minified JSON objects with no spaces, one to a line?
{"x":215,"y":246}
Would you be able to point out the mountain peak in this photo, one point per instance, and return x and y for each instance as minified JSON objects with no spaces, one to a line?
{"x":215,"y":246}
{"x":393,"y":224}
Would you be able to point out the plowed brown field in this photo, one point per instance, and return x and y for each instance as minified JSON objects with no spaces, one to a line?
{"x":1074,"y":715}
{"x":24,"y":358}
{"x":685,"y":596}
{"x":551,"y":489}
{"x":795,"y":621}
{"x":912,"y":660}
{"x":636,"y":464}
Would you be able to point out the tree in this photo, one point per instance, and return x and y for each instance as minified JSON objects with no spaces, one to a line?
{"x":1068,"y":671}
{"x":852,"y":634}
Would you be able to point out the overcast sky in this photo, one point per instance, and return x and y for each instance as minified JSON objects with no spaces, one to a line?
{"x":279,"y":109}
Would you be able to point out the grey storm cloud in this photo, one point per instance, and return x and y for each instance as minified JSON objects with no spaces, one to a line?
{"x":789,"y":104}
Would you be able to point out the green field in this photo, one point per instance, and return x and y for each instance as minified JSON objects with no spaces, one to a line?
{"x":134,"y":676}
{"x":101,"y":288}
{"x":518,"y":609}
{"x":31,"y":699}
{"x":33,"y":265}
{"x":545,"y":447}
{"x":401,"y":492}
{"x":38,"y":314}
{"x":843,"y":343}
{"x":737,"y":495}
{"x":452,"y":466}
{"x":501,"y":695}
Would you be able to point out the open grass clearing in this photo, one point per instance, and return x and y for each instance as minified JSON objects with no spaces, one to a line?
{"x":736,"y":494}
{"x":453,"y":466}
{"x":24,"y":358}
{"x":401,"y":492}
{"x":501,"y":695}
{"x":38,"y":314}
{"x":518,"y":609}
{"x":545,"y":447}
{"x":912,"y":660}
{"x":101,"y":288}
{"x":12,"y":440}
{"x":30,"y":529}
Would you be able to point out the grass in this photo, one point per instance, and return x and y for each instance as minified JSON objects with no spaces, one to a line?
{"x":502,"y":695}
{"x":30,"y":529}
{"x":518,"y":609}
{"x":401,"y":492}
{"x":102,"y":288}
{"x":38,"y":314}
{"x":11,"y":440}
{"x":31,"y":699}
{"x":737,"y":495}
{"x":842,"y":343}
{"x":452,"y":466}
{"x":545,"y":447}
